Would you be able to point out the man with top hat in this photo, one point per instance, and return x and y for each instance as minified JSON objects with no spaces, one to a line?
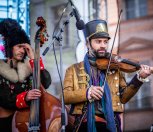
{"x":94,"y":106}
{"x":16,"y":73}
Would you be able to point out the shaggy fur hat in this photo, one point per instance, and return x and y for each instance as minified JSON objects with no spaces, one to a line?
{"x":13,"y":34}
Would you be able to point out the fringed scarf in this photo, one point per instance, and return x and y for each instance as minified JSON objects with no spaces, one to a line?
{"x":106,"y":103}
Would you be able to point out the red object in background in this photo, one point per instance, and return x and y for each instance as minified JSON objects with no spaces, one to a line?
{"x":2,"y":48}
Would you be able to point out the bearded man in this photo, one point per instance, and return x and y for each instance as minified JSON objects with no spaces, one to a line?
{"x":84,"y":90}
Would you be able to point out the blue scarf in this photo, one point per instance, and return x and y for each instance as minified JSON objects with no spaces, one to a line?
{"x":106,"y":102}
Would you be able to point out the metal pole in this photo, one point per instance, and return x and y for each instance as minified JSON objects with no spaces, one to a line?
{"x":27,"y":16}
{"x":61,"y":60}
{"x":17,"y":3}
{"x":61,"y":73}
{"x":7,"y":8}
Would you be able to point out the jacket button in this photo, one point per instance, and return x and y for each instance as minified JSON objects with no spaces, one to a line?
{"x":118,"y":104}
{"x":116,"y":78}
{"x":118,"y":94}
{"x":116,"y":85}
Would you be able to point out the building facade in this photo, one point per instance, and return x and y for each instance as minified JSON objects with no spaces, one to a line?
{"x":135,"y":42}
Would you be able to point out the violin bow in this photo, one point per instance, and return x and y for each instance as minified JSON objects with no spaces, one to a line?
{"x":110,"y":59}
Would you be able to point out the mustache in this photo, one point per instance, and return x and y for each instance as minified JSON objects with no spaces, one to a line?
{"x":103,"y":49}
{"x":18,"y":54}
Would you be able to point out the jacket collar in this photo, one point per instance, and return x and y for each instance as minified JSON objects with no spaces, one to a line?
{"x":13,"y":75}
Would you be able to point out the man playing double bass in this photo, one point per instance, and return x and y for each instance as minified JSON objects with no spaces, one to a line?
{"x":95,"y":106}
{"x":16,"y":73}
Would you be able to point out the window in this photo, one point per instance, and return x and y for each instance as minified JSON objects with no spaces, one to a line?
{"x":135,"y":8}
{"x":94,"y":8}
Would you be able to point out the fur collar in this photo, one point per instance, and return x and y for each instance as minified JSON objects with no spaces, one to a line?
{"x":19,"y":75}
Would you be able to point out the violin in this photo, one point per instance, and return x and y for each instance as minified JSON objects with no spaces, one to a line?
{"x":125,"y":65}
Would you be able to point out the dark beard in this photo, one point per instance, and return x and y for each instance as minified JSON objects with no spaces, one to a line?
{"x":99,"y":54}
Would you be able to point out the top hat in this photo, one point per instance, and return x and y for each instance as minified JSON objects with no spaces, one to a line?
{"x":96,"y":29}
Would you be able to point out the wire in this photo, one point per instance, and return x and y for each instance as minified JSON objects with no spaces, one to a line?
{"x":57,"y":66}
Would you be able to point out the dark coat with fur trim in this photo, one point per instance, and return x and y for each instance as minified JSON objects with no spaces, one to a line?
{"x":15,"y":81}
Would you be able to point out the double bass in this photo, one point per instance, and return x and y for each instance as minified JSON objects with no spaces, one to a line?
{"x":44,"y":114}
